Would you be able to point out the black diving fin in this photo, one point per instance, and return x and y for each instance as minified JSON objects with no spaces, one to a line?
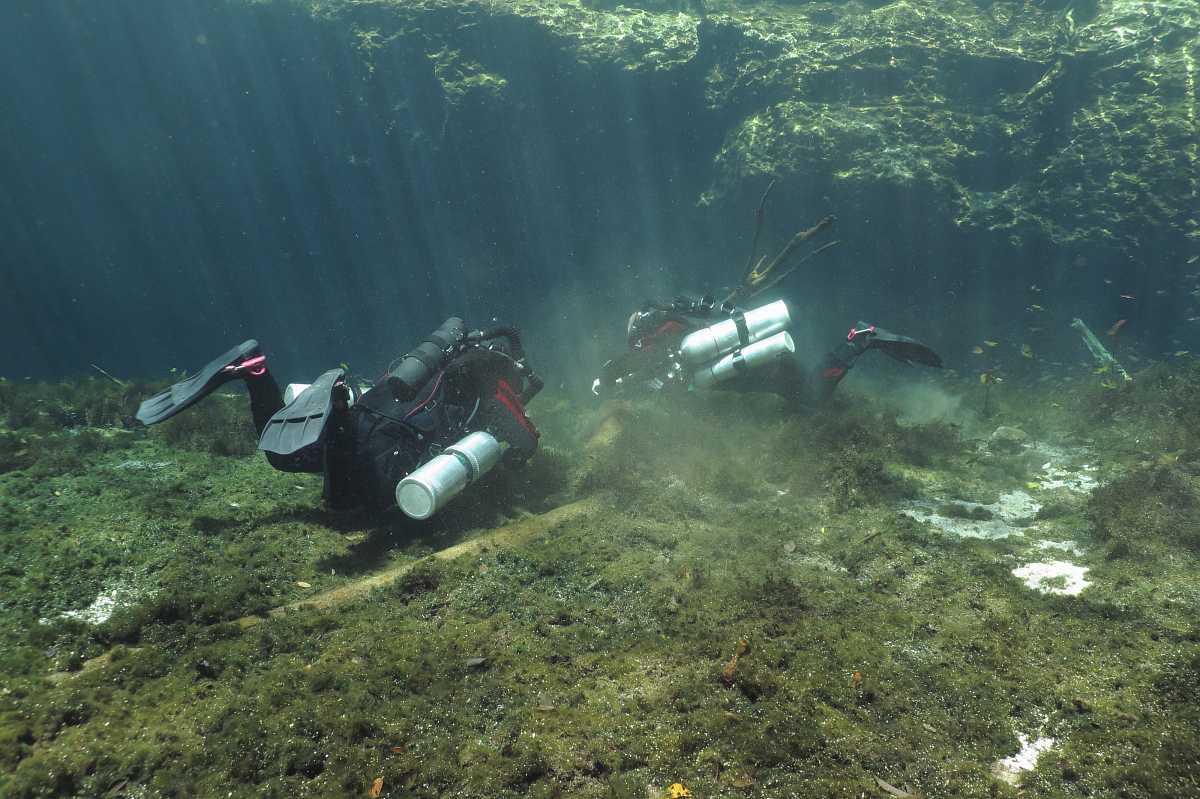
{"x":901,"y":348}
{"x":236,"y":363}
{"x":301,"y":423}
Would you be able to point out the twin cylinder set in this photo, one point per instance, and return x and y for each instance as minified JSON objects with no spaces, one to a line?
{"x":738,"y":344}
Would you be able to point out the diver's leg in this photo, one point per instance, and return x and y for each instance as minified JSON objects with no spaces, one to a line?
{"x":245,"y":361}
{"x":862,"y":337}
{"x":346,"y":469}
{"x":837,"y":362}
{"x":265,"y":397}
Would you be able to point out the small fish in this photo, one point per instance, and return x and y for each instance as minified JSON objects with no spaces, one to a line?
{"x":978,"y":350}
{"x":856,"y":678}
{"x":1116,"y":328}
{"x":1110,"y":385}
{"x":1103,"y":370}
{"x":1108,"y":281}
{"x":992,"y":343}
{"x":1129,"y":296}
{"x":1026,"y":351}
{"x":1036,"y":308}
{"x":376,"y":788}
{"x":1193,"y":259}
{"x":1034,"y":288}
{"x":1160,"y":293}
{"x":1181,"y":353}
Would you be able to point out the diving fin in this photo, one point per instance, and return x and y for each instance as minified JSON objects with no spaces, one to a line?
{"x":238,"y":362}
{"x":901,"y":348}
{"x":301,"y":422}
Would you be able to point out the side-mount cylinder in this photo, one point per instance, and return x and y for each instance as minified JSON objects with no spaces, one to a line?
{"x":425,"y":491}
{"x":740,"y":330}
{"x":422,"y":361}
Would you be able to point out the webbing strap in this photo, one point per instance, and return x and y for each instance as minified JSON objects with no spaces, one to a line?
{"x":739,"y":319}
{"x":466,"y":462}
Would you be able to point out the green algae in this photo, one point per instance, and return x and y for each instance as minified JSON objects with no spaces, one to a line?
{"x":589,"y":661}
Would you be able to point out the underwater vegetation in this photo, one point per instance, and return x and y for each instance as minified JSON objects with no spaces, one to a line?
{"x":710,"y":599}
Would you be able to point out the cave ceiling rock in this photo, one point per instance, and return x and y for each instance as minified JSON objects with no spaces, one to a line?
{"x":1089,"y":131}
{"x":635,"y":39}
{"x":1061,"y":121}
{"x":1111,"y":140}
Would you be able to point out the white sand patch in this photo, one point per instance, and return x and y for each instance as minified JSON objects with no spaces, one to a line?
{"x":1053,"y":577}
{"x":1016,"y":507}
{"x":1076,"y":480}
{"x":1065,"y":467}
{"x":1010,"y":769}
{"x":1065,"y":546}
{"x":114,"y":596}
{"x":1011,"y":515}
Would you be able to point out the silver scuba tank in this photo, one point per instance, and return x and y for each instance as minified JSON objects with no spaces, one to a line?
{"x":743,"y":329}
{"x":293,"y":390}
{"x":749,"y":357}
{"x":428,"y":489}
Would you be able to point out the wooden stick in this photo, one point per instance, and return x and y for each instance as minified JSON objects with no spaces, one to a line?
{"x":106,"y":374}
{"x":793,"y":268}
{"x":758,"y":220}
{"x":797,"y":240}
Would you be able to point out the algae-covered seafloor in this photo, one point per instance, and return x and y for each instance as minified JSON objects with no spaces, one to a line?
{"x":724,"y":598}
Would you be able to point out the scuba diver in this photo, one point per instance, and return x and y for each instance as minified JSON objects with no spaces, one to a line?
{"x":696,"y":344}
{"x":691,"y":343}
{"x":441,"y":417}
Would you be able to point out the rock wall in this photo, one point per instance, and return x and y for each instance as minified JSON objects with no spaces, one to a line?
{"x":976,"y":147}
{"x":1076,"y":126}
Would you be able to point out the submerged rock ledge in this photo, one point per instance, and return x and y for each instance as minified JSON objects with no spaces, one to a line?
{"x":1072,"y":127}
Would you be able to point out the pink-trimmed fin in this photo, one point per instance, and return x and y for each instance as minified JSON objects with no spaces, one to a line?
{"x":850,"y":336}
{"x":255,"y":367}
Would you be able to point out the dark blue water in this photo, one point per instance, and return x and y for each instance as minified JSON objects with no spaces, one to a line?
{"x":180,"y":176}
